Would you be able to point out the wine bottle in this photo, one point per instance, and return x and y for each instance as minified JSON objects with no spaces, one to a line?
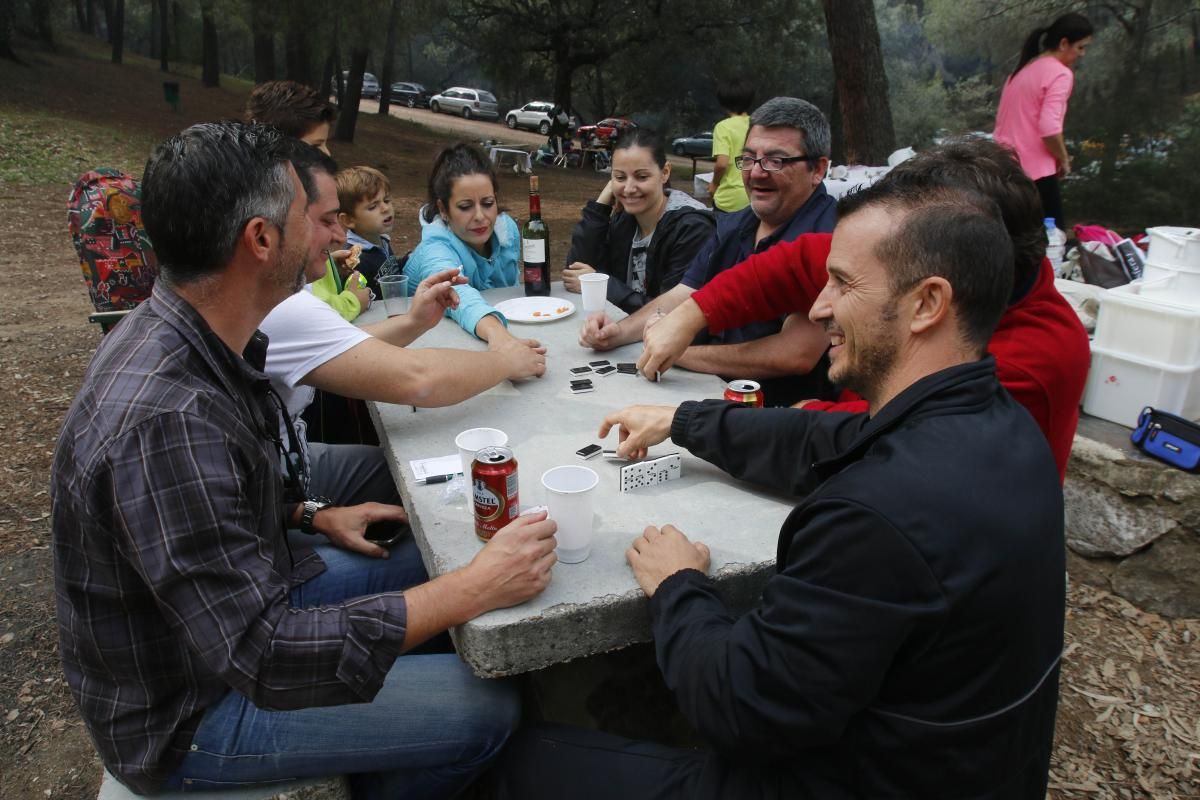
{"x":535,"y":246}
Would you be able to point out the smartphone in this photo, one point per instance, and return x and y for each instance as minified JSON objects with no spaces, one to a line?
{"x":604,"y":372}
{"x":385,"y":532}
{"x":589,"y":451}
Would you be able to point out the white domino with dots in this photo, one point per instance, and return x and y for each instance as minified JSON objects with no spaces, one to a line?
{"x":650,"y":473}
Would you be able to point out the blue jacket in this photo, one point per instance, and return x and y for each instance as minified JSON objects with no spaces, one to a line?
{"x":440,"y":249}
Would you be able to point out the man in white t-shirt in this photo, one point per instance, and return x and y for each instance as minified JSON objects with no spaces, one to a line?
{"x":312,"y":347}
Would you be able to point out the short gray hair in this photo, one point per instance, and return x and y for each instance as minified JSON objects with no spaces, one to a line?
{"x":792,"y":112}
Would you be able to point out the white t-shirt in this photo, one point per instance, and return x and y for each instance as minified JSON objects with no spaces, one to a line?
{"x":305,"y":332}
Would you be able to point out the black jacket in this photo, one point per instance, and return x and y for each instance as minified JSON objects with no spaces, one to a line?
{"x":602,"y":240}
{"x":908,"y":644}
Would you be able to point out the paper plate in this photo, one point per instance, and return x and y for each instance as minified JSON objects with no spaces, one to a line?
{"x":535,"y":309}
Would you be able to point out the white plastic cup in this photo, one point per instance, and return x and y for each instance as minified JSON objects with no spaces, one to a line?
{"x":471,"y":441}
{"x":569,"y":494}
{"x":394,"y":289}
{"x":595,"y":290}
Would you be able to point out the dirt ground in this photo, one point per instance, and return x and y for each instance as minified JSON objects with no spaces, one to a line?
{"x":1129,"y":720}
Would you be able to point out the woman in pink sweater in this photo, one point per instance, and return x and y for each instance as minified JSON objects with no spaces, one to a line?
{"x":1034,"y":104}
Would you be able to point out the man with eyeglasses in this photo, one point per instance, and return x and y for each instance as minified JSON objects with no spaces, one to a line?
{"x":783,"y":163}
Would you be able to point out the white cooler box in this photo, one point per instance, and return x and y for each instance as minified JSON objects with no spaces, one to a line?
{"x":1143,"y":321}
{"x":1119,"y":386}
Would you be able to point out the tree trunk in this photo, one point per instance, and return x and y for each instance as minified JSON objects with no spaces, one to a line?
{"x":210,"y":54}
{"x":348,"y":117}
{"x":8,"y":14}
{"x":264,"y":41}
{"x":564,"y":69}
{"x":89,"y":8}
{"x":389,"y":58}
{"x":116,"y":31}
{"x":108,"y":20}
{"x":80,"y":17}
{"x":837,"y":153}
{"x":388,"y":68}
{"x":860,"y":80}
{"x":326,"y":87}
{"x":163,"y":40}
{"x":154,"y":25}
{"x":41,"y":22}
{"x":296,"y":51}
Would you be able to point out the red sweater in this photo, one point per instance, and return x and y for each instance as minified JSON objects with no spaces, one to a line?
{"x":1041,"y":349}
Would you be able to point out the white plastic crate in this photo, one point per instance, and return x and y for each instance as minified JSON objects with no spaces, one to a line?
{"x":1141,"y":320}
{"x":1184,"y":289}
{"x":1175,"y":247}
{"x":1119,"y":387}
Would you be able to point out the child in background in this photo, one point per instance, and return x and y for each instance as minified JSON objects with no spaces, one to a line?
{"x":366,"y":200}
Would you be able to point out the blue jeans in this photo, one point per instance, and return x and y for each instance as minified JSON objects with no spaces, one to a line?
{"x":429,"y":731}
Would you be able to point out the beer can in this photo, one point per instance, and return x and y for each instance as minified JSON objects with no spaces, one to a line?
{"x":748,"y":393}
{"x":494,"y":488}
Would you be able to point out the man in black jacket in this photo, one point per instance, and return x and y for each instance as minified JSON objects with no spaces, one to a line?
{"x":908,"y":644}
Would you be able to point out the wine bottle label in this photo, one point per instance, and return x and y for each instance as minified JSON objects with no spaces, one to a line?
{"x":533,"y":250}
{"x":533,"y":275}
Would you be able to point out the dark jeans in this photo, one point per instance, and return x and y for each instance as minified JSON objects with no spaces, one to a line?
{"x":1051,"y":191}
{"x":557,"y":761}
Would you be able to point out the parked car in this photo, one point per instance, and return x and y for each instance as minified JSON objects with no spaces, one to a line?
{"x":698,"y":145}
{"x":466,"y":102}
{"x":406,"y":93}
{"x":604,"y":130}
{"x":535,"y":116}
{"x":370,"y":87}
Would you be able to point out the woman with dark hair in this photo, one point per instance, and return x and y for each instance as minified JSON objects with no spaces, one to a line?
{"x":1034,"y":105}
{"x":638,"y":231}
{"x":462,"y":225}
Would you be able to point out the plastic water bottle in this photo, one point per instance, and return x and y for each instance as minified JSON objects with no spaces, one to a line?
{"x":1056,"y":244}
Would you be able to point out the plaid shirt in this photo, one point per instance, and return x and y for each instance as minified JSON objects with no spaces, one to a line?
{"x":171,"y":568}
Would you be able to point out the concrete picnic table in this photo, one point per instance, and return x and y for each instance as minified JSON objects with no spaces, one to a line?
{"x":595,"y":606}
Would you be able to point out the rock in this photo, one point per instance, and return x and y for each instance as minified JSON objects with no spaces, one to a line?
{"x":1103,"y":522}
{"x":1165,"y":577}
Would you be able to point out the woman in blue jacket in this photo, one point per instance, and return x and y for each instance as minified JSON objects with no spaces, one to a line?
{"x":462,"y":225}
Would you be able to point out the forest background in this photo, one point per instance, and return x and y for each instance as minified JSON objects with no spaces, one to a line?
{"x":898,"y":73}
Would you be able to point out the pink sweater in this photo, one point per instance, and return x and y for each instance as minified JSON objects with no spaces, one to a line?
{"x":1032,"y":106}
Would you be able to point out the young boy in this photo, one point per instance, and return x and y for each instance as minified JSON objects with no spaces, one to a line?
{"x":300,"y":112}
{"x":365,"y":197}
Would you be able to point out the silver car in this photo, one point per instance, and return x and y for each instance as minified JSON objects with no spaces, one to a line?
{"x":466,"y":102}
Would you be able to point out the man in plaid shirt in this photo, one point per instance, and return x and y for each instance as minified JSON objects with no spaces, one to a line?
{"x":206,"y":646}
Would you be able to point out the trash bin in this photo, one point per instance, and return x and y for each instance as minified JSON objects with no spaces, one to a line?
{"x":171,"y":94}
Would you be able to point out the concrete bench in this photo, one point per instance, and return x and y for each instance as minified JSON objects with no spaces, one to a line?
{"x":328,"y":788}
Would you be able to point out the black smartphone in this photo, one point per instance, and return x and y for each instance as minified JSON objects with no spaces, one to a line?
{"x":589,"y":451}
{"x":385,"y":533}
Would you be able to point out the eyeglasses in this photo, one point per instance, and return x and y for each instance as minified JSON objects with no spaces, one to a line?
{"x":770,"y":163}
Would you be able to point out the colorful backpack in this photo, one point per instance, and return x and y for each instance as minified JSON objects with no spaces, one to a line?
{"x":104,"y":215}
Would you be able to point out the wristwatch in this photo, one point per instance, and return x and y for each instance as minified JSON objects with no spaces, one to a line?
{"x":311,"y":506}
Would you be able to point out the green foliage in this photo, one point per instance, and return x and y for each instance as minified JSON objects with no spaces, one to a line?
{"x":1155,"y":181}
{"x":37,"y":149}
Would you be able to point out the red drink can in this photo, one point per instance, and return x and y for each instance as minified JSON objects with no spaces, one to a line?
{"x":494,"y":487}
{"x":748,"y":393}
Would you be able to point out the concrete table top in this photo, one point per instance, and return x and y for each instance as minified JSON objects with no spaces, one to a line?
{"x":595,"y":606}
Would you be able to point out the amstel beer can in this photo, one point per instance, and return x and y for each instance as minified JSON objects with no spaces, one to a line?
{"x":748,"y":393}
{"x":494,"y":486}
